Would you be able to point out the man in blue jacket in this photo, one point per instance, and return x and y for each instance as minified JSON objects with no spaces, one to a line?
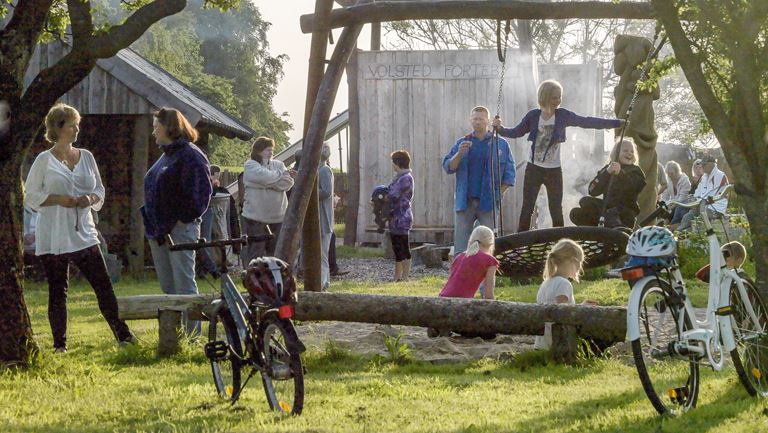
{"x":469,"y":159}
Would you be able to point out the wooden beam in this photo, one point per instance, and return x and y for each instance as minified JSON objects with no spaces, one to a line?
{"x":142,"y":135}
{"x":384,"y":11}
{"x":310,"y":223}
{"x":288,"y":241}
{"x":458,"y":314}
{"x":353,"y":154}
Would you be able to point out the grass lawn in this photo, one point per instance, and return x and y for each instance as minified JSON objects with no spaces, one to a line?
{"x":97,"y":387}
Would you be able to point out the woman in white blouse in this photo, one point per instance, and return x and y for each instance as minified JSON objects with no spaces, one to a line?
{"x":266,"y":180}
{"x":63,"y":186}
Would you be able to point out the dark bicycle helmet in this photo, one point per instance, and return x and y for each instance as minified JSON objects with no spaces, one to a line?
{"x":270,"y":282}
{"x":381,"y":206}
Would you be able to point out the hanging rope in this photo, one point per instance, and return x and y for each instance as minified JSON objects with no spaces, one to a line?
{"x":652,"y":54}
{"x":501,"y":51}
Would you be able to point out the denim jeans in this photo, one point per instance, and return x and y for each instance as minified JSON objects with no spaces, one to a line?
{"x":176,"y":269}
{"x":206,"y":231}
{"x":258,"y":249}
{"x":465,"y":223}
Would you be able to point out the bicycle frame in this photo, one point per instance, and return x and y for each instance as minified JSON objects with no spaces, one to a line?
{"x":715,"y":332}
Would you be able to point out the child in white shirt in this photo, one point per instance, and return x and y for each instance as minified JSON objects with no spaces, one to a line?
{"x":564,"y":262}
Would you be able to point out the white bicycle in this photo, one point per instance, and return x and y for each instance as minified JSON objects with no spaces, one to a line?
{"x":669,"y":343}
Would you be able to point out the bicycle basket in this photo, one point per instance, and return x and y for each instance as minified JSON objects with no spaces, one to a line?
{"x":270,"y":282}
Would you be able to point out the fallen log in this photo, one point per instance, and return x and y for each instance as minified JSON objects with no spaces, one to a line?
{"x":461,"y":315}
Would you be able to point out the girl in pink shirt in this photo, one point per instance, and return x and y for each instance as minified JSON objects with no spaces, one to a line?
{"x":473,"y":267}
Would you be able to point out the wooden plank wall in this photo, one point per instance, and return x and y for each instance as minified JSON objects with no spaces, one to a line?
{"x":402,"y":106}
{"x":99,"y":93}
{"x":425,"y":113}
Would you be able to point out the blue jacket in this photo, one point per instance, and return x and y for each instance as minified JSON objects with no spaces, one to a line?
{"x":563,"y":118}
{"x":462,"y":173}
{"x":176,"y":188}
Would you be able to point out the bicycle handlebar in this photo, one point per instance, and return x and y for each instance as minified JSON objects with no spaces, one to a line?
{"x":709,"y":199}
{"x":202,"y":243}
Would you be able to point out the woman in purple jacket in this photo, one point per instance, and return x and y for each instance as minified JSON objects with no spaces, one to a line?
{"x":401,"y":215}
{"x":545,"y":127}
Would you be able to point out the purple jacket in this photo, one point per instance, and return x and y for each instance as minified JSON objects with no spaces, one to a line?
{"x":400,"y":196}
{"x":563,"y":118}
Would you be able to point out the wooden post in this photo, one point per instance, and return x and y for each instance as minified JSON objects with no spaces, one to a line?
{"x":321,"y":113}
{"x":564,"y":343}
{"x":311,"y":224}
{"x":139,"y":160}
{"x":170,"y":330}
{"x":353,"y":154}
{"x":376,"y":36}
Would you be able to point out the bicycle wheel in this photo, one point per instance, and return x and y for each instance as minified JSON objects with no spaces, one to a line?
{"x":750,"y":357}
{"x":670,"y":382}
{"x":224,"y":351}
{"x":283,"y":374}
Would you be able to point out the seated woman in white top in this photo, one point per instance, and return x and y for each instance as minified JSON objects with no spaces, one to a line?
{"x":62,"y":186}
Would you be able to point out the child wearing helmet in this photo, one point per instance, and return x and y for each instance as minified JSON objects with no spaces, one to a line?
{"x":564,"y":263}
{"x":621,"y":208}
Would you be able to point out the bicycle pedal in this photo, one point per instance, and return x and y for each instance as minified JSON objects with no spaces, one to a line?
{"x":216,"y":350}
{"x":678,"y":395}
{"x":724,"y":311}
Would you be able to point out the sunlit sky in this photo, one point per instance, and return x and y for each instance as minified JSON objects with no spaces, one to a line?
{"x":285,"y":37}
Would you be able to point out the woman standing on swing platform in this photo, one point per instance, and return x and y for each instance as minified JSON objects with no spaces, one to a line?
{"x":545,"y":127}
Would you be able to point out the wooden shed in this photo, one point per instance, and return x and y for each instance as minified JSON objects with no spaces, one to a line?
{"x":116,"y":102}
{"x":421,"y":101}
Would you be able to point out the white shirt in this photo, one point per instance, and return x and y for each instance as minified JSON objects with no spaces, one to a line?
{"x":543,"y":139}
{"x":711,"y":185}
{"x":677,"y":191}
{"x":548,"y":293}
{"x":265,"y":200}
{"x":55,"y":230}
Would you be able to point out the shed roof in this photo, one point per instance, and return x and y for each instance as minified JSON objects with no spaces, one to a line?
{"x":162,"y":89}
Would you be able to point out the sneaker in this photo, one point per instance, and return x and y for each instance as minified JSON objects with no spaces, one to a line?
{"x":339,"y":273}
{"x":128,"y":341}
{"x":60,"y":350}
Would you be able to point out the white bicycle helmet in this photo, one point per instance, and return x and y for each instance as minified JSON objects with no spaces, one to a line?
{"x":652,"y":241}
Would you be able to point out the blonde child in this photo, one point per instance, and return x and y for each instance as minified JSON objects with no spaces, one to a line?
{"x":735,"y":255}
{"x":545,"y":127}
{"x":471,"y":268}
{"x":564,"y":262}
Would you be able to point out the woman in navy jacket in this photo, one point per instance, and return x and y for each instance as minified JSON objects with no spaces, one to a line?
{"x":177,"y":189}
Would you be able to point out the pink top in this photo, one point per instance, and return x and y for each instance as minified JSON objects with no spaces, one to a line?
{"x":467,"y":273}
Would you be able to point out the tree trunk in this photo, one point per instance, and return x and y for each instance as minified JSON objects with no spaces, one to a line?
{"x":17,"y":343}
{"x":464,"y":315}
{"x":756,"y":208}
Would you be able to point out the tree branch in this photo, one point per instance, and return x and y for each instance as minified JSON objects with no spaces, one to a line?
{"x":19,"y":37}
{"x":667,"y":13}
{"x":82,"y":22}
{"x":122,"y":36}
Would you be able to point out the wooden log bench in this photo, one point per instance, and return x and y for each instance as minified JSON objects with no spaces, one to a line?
{"x":478,"y":316}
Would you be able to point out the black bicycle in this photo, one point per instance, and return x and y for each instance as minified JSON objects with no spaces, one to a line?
{"x":256,"y":334}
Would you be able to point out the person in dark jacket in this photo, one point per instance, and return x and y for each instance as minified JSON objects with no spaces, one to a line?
{"x":621,"y":208}
{"x":177,"y":189}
